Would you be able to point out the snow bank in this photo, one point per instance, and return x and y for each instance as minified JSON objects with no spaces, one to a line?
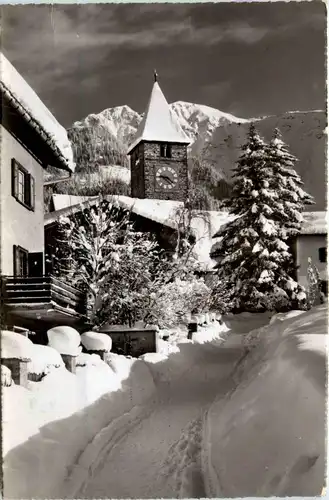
{"x":44,"y":359}
{"x":88,"y":359}
{"x":209,"y":332}
{"x":94,"y":341}
{"x":175,"y":355}
{"x":65,"y":339}
{"x":61,"y":416}
{"x":15,"y":345}
{"x":267,"y":438}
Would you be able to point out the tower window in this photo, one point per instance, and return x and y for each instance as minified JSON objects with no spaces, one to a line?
{"x":165,"y":151}
{"x":323,"y":254}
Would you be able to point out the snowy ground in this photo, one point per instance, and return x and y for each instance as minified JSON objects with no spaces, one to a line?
{"x":267,"y":438}
{"x":150,"y":435}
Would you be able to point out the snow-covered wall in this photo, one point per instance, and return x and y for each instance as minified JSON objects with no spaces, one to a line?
{"x":19,"y":226}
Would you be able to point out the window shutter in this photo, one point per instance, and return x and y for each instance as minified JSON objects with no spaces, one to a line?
{"x":14,"y":178}
{"x":15,"y":260}
{"x":27,"y":189}
{"x":32,"y":192}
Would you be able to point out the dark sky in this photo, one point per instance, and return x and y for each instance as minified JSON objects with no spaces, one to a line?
{"x":248,"y":59}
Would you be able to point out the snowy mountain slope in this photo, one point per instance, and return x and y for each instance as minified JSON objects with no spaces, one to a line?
{"x":195,"y":119}
{"x":121,"y":122}
{"x":303,"y":132}
{"x":199,"y":120}
{"x":218,"y":136}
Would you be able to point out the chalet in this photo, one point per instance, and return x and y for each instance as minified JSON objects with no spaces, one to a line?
{"x":31,"y":141}
{"x":312,"y":243}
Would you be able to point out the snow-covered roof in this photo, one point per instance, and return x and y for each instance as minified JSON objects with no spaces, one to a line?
{"x":165,"y":212}
{"x":159,"y":123}
{"x":35,"y":111}
{"x":315,"y":223}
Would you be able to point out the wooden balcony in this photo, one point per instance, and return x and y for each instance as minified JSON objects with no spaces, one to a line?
{"x":41,"y":296}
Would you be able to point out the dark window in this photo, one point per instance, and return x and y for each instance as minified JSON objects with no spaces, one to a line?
{"x":165,"y":150}
{"x":323,"y":254}
{"x":23,"y":185}
{"x":324,"y":287}
{"x":21,"y":257}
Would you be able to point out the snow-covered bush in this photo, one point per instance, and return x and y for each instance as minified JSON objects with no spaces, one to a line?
{"x":256,"y":265}
{"x":94,"y":341}
{"x":44,"y":359}
{"x":173,"y":300}
{"x":6,"y":380}
{"x":124,"y":272}
{"x":65,"y":340}
{"x":89,"y":243}
{"x":314,"y":292}
{"x":135,"y":271}
{"x":15,"y":345}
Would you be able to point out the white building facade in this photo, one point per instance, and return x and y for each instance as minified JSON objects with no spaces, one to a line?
{"x":31,"y":139}
{"x":311,"y":243}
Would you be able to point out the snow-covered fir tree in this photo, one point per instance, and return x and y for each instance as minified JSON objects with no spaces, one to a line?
{"x":287,"y":183}
{"x":255,"y":264}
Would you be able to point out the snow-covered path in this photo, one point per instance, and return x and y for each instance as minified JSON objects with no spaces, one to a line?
{"x":160,"y":455}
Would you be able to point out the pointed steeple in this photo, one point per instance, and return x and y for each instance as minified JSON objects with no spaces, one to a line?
{"x":159,"y":123}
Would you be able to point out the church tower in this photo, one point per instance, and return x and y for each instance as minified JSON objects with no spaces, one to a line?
{"x":158,"y":154}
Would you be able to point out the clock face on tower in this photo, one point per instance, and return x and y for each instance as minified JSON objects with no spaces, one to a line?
{"x":166,"y":177}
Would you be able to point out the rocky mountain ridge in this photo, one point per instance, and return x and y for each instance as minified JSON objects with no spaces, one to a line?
{"x":218,"y":136}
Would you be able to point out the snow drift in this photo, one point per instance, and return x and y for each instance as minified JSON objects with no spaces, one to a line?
{"x":267,"y":438}
{"x":60,"y":416}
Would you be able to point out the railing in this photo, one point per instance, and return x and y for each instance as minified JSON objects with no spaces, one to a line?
{"x":44,"y":289}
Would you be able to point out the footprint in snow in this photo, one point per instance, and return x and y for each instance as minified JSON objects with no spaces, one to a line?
{"x":183,"y":463}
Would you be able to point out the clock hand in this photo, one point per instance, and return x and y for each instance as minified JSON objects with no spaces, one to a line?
{"x":164,"y":177}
